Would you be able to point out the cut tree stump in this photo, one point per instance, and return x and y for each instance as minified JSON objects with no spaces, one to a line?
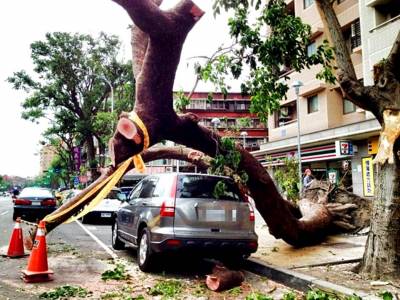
{"x":223,"y":279}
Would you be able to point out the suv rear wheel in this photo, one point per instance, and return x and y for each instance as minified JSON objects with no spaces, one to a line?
{"x":145,"y":255}
{"x":116,"y":243}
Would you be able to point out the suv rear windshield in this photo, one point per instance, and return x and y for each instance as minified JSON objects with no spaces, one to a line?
{"x":201,"y":186}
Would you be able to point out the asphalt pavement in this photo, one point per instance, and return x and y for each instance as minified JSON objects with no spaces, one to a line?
{"x":79,"y":253}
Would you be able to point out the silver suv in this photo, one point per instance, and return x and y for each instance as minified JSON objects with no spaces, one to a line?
{"x":178,"y":212}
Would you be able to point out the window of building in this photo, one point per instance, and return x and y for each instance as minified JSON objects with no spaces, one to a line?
{"x":312,"y":104}
{"x":311,"y":49}
{"x":218,"y":105}
{"x":355,"y":34}
{"x":387,"y":11}
{"x":308,"y":3}
{"x":352,"y":35}
{"x":286,"y":114}
{"x":348,"y":106}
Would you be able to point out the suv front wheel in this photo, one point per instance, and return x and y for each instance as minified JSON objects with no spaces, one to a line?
{"x":145,"y":255}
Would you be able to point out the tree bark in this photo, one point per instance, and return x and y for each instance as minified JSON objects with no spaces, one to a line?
{"x":382,"y":253}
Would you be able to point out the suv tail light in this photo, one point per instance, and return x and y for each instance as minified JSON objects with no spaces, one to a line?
{"x":168,"y":205}
{"x":49,"y":202}
{"x":252,"y":216}
{"x":167,"y":208}
{"x":22,"y":202}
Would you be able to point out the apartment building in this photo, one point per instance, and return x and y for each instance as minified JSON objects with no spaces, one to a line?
{"x":230,"y":116}
{"x":338,"y":140}
{"x":47,"y":154}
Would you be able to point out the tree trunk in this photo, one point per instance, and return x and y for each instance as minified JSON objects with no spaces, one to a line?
{"x":91,"y":151}
{"x":382,"y":253}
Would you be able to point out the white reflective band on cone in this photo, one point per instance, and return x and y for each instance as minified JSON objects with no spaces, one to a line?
{"x":40,"y":232}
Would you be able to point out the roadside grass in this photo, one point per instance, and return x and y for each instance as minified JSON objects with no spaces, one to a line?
{"x":118,"y":273}
{"x":236,"y":291}
{"x":168,"y":289}
{"x":65,"y":291}
{"x":200,"y":290}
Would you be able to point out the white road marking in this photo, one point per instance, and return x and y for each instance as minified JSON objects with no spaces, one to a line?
{"x":4,"y":213}
{"x":97,"y":240}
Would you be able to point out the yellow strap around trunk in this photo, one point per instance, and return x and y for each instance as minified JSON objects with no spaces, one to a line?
{"x":137,"y":159}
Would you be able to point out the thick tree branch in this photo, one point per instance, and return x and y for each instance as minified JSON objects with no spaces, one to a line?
{"x":352,"y":87}
{"x":139,"y":42}
{"x":146,"y":15}
{"x":394,"y":57}
{"x":307,"y":230}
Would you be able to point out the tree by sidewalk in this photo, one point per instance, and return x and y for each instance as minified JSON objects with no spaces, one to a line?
{"x":382,"y":253}
{"x":68,"y":87}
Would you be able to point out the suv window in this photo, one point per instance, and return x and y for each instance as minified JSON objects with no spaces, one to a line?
{"x":148,"y":187}
{"x":163,"y":185}
{"x":200,"y":186}
{"x":136,"y":191}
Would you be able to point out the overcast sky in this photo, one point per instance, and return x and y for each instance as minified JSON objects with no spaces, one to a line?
{"x":25,"y":21}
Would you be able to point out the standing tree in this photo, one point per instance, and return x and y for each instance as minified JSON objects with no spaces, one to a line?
{"x":69,"y":88}
{"x":285,"y":47}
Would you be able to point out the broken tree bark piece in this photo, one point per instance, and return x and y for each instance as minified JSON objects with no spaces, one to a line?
{"x":223,"y":279}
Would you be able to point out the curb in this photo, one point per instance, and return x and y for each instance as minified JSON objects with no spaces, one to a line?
{"x":299,"y":281}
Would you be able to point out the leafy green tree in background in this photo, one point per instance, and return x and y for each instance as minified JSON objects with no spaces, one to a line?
{"x":287,"y":177}
{"x":69,"y":90}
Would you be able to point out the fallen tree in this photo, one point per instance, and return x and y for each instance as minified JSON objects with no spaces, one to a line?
{"x":158,"y":38}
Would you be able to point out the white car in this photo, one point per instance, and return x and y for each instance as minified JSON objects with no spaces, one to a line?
{"x":106,"y":208}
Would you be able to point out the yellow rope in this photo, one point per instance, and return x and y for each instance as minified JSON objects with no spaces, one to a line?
{"x":137,"y":159}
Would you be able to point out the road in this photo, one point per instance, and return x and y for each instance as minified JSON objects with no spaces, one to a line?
{"x":79,"y":254}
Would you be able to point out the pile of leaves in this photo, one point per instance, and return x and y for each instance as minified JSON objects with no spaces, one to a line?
{"x":118,"y":273}
{"x":168,"y":289}
{"x":65,"y":291}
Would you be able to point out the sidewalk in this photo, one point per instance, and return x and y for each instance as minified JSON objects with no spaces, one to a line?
{"x":333,"y":260}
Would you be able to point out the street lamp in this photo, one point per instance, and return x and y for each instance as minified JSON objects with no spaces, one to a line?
{"x":296,"y":85}
{"x":215,"y":122}
{"x":244,"y":134}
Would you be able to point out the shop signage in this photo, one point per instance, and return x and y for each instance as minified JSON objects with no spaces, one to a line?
{"x":77,"y":158}
{"x":368,"y":176}
{"x":344,"y":148}
{"x":333,"y":176}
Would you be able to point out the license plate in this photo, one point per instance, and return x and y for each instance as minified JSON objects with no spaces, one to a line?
{"x":215,"y":215}
{"x":105,"y":215}
{"x":36,"y":203}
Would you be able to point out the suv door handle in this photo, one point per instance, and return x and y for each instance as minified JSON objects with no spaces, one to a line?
{"x":145,"y":204}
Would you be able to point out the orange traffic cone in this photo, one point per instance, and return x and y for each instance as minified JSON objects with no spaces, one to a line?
{"x":16,"y":246}
{"x":37,"y":270}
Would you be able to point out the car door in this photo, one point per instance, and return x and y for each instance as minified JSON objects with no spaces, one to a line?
{"x":127,"y":212}
{"x":144,"y":204}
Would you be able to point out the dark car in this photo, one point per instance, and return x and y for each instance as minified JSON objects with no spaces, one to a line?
{"x":170,"y":213}
{"x":34,"y":203}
